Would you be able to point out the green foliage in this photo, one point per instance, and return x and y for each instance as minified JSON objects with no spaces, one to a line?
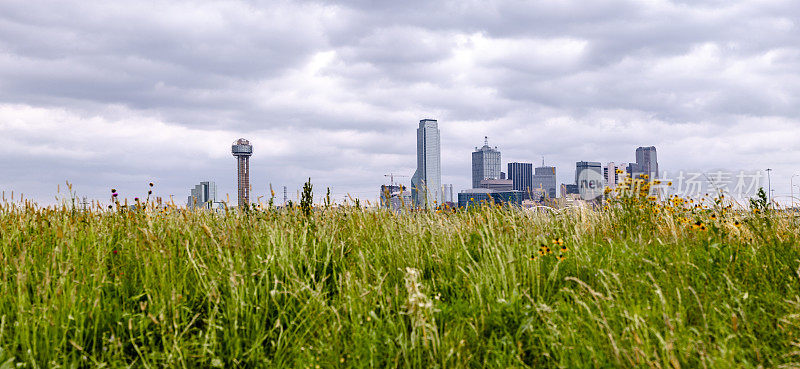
{"x":630,"y":286}
{"x":327,"y":197}
{"x":307,"y":199}
{"x":760,"y":202}
{"x":271,"y":197}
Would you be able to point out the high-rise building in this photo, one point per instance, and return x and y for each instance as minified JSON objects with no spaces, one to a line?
{"x":521,"y":175}
{"x":485,"y":163}
{"x":589,"y":178}
{"x":426,"y":184}
{"x":202,"y":196}
{"x":611,"y":173}
{"x":582,"y":166}
{"x":242,"y":150}
{"x":544,"y":178}
{"x":646,"y":163}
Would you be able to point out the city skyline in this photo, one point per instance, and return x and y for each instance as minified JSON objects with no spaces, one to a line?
{"x":486,"y":175}
{"x":645,"y":163}
{"x":97,"y":93}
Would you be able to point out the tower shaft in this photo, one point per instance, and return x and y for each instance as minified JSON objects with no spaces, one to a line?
{"x":243,"y":166}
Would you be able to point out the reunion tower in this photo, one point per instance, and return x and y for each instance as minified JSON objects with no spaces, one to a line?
{"x":242,"y":150}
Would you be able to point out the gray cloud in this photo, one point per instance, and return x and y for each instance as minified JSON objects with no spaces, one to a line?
{"x":118,"y":94}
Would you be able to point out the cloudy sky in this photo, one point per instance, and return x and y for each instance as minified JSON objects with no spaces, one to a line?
{"x":119,"y":93}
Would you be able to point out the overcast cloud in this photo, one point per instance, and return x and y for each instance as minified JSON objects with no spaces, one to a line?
{"x":118,"y":94}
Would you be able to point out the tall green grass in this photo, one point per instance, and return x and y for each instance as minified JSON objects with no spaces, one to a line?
{"x":349,"y":287}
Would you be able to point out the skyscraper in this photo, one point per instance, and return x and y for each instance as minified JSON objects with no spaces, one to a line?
{"x":426,"y":184}
{"x":202,"y":196}
{"x":581,"y":166}
{"x":589,"y":178}
{"x":485,"y":164}
{"x":544,"y":177}
{"x":646,"y":163}
{"x":521,"y":174}
{"x":242,"y":150}
{"x":646,"y":158}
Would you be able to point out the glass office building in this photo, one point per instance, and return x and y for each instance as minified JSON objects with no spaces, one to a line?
{"x":521,"y":176}
{"x":544,"y":178}
{"x":426,"y":184}
{"x":485,"y":196}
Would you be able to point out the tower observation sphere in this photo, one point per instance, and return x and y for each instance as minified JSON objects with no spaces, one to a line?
{"x":242,"y":150}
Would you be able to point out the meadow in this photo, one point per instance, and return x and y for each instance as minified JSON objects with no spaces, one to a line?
{"x":637,"y":284}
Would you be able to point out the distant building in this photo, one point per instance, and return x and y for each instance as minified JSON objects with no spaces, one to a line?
{"x":538,"y":195}
{"x":612,"y":174}
{"x":426,"y":183}
{"x":521,"y":175}
{"x":647,"y":159}
{"x":202,"y":196}
{"x":646,"y":163}
{"x":569,"y":190}
{"x":544,"y":178}
{"x":582,"y":166}
{"x":447,"y":193}
{"x":474,"y":197}
{"x":485,"y":196}
{"x":395,"y":197}
{"x":589,"y":178}
{"x":497,"y":184}
{"x":485,"y":163}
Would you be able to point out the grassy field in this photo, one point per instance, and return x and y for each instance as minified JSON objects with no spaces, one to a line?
{"x":639,"y":284}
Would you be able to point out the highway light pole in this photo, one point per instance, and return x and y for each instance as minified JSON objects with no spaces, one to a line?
{"x":798,"y":188}
{"x":769,"y":187}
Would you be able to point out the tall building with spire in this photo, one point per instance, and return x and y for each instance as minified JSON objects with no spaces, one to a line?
{"x":485,"y":163}
{"x":426,"y":184}
{"x":544,"y":179}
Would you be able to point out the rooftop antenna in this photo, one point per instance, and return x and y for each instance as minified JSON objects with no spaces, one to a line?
{"x":485,"y":140}
{"x":542,"y":160}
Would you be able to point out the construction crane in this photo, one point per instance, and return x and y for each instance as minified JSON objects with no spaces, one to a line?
{"x":391,"y":177}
